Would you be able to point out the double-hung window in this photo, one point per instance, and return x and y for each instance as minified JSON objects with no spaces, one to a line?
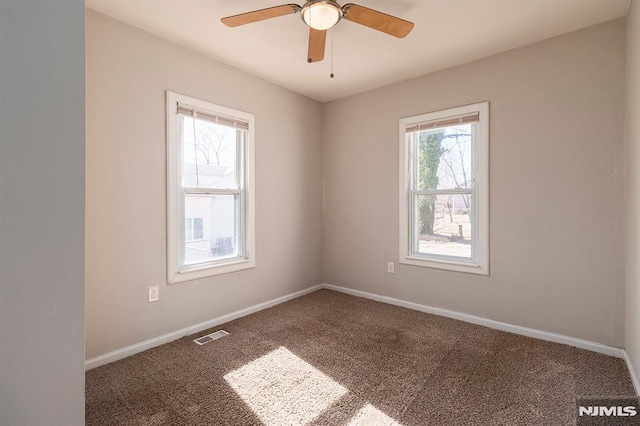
{"x":210,"y":189}
{"x":444,"y":189}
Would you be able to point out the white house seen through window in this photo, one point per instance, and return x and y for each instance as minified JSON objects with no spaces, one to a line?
{"x":193,"y":229}
{"x":210,"y":178}
{"x":444,"y":189}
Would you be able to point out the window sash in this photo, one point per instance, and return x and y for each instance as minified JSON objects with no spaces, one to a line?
{"x":241,"y":152}
{"x":442,"y":191}
{"x":211,"y":191}
{"x":414,"y":223}
{"x":239,"y":233}
{"x":412,"y":141}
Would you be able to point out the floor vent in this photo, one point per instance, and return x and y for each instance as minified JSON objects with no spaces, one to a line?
{"x":211,"y":337}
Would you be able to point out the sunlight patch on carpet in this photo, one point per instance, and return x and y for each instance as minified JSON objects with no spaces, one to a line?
{"x":370,"y":416}
{"x":281,"y":388}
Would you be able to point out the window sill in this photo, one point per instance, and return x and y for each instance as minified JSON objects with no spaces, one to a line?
{"x":211,"y":270}
{"x":447,"y":265}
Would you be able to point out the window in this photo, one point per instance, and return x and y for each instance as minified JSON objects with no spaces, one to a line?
{"x":444,"y":189}
{"x":210,"y":189}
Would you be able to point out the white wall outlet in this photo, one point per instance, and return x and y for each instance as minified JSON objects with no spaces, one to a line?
{"x":390,"y":268}
{"x":154,"y":293}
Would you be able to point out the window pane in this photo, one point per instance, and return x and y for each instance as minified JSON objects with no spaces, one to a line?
{"x":444,"y":158}
{"x":216,"y":223}
{"x":210,"y":159}
{"x":443,"y":225}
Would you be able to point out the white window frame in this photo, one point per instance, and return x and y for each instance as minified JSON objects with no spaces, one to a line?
{"x":480,"y":194}
{"x":175,"y":195}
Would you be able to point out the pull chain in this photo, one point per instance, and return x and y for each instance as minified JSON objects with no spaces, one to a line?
{"x":331,"y":35}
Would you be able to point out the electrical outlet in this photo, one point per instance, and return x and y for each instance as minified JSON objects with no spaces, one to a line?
{"x":390,"y":268}
{"x":154,"y":293}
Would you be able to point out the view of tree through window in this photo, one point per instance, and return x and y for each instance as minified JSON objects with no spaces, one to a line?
{"x":442,"y":191}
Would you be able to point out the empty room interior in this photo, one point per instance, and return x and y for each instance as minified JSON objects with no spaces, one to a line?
{"x":415,"y":212}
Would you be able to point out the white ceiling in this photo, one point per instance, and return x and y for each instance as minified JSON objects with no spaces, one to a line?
{"x":446,"y":33}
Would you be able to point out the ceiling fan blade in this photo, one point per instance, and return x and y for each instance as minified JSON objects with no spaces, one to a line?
{"x":260,"y":15}
{"x":377,"y":20}
{"x":317,"y":42}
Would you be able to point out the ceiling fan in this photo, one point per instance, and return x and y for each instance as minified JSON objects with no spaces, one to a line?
{"x":320,"y":15}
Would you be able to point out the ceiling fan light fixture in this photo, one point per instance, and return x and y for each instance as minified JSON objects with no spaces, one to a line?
{"x":321,"y":14}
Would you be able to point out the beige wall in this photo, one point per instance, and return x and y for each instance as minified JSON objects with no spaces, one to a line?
{"x":556,"y":208}
{"x":632,"y":319}
{"x":42,"y":144}
{"x":556,"y":202}
{"x":128,"y":72}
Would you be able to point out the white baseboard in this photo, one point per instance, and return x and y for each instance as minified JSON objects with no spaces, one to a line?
{"x":174,"y":335}
{"x":525,"y":331}
{"x":632,"y":372}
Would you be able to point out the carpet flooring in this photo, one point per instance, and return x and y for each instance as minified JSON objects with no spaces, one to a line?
{"x":333,"y":359}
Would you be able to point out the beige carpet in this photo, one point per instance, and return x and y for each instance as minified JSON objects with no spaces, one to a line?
{"x":333,"y":359}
